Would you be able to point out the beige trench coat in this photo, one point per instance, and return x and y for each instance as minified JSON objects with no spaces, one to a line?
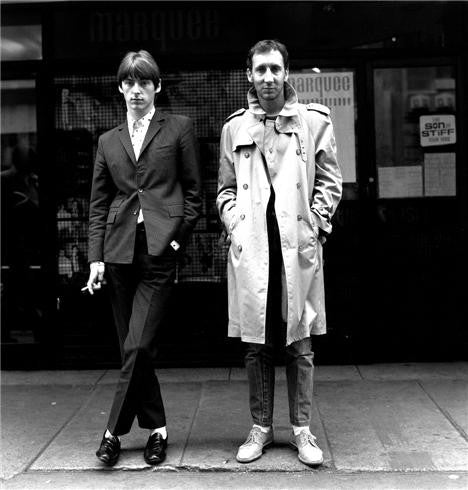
{"x":307,"y":181}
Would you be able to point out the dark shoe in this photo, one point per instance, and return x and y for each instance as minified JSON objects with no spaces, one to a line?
{"x":155,"y":450}
{"x":109,"y":450}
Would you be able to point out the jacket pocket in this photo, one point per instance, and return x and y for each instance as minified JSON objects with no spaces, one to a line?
{"x":175,"y":210}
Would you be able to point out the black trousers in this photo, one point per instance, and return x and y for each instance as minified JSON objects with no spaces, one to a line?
{"x":139,"y":295}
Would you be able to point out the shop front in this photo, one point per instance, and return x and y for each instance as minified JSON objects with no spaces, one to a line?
{"x":392,"y":74}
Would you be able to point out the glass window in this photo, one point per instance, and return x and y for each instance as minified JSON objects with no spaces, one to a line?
{"x":415,"y":131}
{"x":21,"y":270}
{"x":21,"y":43}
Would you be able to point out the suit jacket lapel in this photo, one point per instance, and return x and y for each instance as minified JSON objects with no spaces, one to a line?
{"x":124,"y":137}
{"x":153,"y":129}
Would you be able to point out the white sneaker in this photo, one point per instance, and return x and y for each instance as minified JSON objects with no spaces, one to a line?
{"x":253,"y":447}
{"x":308,"y":451}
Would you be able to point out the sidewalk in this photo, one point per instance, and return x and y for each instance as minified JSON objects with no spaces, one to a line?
{"x":368,"y":419}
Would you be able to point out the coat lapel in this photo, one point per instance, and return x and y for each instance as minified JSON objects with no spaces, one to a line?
{"x":124,"y":137}
{"x":153,"y":129}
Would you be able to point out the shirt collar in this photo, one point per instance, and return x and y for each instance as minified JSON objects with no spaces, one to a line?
{"x":146,"y":119}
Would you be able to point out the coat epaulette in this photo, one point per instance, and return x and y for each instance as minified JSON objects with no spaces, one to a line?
{"x":235,"y":114}
{"x":319,"y":108}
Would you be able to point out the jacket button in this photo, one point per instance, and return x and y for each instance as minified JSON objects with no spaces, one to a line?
{"x":298,"y":152}
{"x":135,"y":212}
{"x":140,"y":190}
{"x":299,"y":217}
{"x":242,"y":216}
{"x":245,"y":186}
{"x":271,"y":150}
{"x":298,"y":185}
{"x":239,"y":247}
{"x":246,"y":154}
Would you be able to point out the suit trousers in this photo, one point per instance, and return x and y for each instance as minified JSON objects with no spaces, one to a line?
{"x":260,"y":358}
{"x":139,"y":294}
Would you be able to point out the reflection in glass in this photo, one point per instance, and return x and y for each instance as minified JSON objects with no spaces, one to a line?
{"x":401,"y":97}
{"x":21,"y":43}
{"x":21,"y":310}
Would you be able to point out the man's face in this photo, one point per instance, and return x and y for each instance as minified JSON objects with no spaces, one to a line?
{"x":268,"y":75}
{"x":139,"y":94}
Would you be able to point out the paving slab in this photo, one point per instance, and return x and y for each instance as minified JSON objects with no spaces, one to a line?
{"x":392,"y":426}
{"x":177,"y":375}
{"x":420,"y":370}
{"x":321,"y":373}
{"x":451,"y":396}
{"x":31,"y":418}
{"x":74,"y":448}
{"x":42,"y":378}
{"x":223,"y":422}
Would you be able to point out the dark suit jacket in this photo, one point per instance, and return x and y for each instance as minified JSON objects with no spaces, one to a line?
{"x":165,"y":182}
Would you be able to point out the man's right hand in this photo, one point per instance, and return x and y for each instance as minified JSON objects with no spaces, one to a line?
{"x":96,"y":276}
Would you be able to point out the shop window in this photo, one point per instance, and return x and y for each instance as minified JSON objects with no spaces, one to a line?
{"x":335,"y":88}
{"x":415,"y":131}
{"x":21,"y":42}
{"x":21,"y":269}
{"x":88,"y":106}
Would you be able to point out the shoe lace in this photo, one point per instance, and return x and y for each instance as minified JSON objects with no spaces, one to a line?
{"x":308,"y":438}
{"x":255,"y":436}
{"x":109,"y":443}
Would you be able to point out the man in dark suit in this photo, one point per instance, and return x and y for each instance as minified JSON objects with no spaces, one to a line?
{"x":145,"y":200}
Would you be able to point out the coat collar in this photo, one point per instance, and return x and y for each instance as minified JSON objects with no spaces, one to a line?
{"x":154,"y":127}
{"x":288,"y":119}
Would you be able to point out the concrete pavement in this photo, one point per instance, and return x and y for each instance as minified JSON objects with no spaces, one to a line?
{"x":406,"y":421}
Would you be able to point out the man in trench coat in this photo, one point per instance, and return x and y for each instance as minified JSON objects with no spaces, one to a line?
{"x":145,"y":200}
{"x":279,"y":185}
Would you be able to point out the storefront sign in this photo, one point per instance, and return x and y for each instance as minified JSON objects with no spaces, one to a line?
{"x":437,"y":130}
{"x":335,"y":90}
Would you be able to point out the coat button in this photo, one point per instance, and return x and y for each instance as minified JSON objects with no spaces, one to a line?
{"x":271,"y":150}
{"x":298,"y":185}
{"x":247,"y":154}
{"x":242,"y":216}
{"x":299,"y":217}
{"x":298,"y":152}
{"x":239,"y":247}
{"x":140,"y":190}
{"x":136,"y":211}
{"x":245,"y":186}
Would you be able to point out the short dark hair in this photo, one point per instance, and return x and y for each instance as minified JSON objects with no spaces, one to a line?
{"x":138,"y":65}
{"x":266,"y":46}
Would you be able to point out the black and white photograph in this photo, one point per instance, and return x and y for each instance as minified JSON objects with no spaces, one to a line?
{"x":234,"y":244}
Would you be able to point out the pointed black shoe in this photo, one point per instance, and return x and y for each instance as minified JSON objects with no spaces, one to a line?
{"x":109,"y":450}
{"x":155,"y":450}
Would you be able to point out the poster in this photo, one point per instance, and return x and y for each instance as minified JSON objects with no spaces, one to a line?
{"x":439,"y":174}
{"x":336,"y":91}
{"x":400,"y":181}
{"x":437,"y":130}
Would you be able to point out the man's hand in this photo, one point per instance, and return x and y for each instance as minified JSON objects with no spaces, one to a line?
{"x":96,"y":276}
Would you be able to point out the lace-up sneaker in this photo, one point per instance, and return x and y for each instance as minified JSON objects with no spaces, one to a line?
{"x":308,"y":451}
{"x":253,"y":447}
